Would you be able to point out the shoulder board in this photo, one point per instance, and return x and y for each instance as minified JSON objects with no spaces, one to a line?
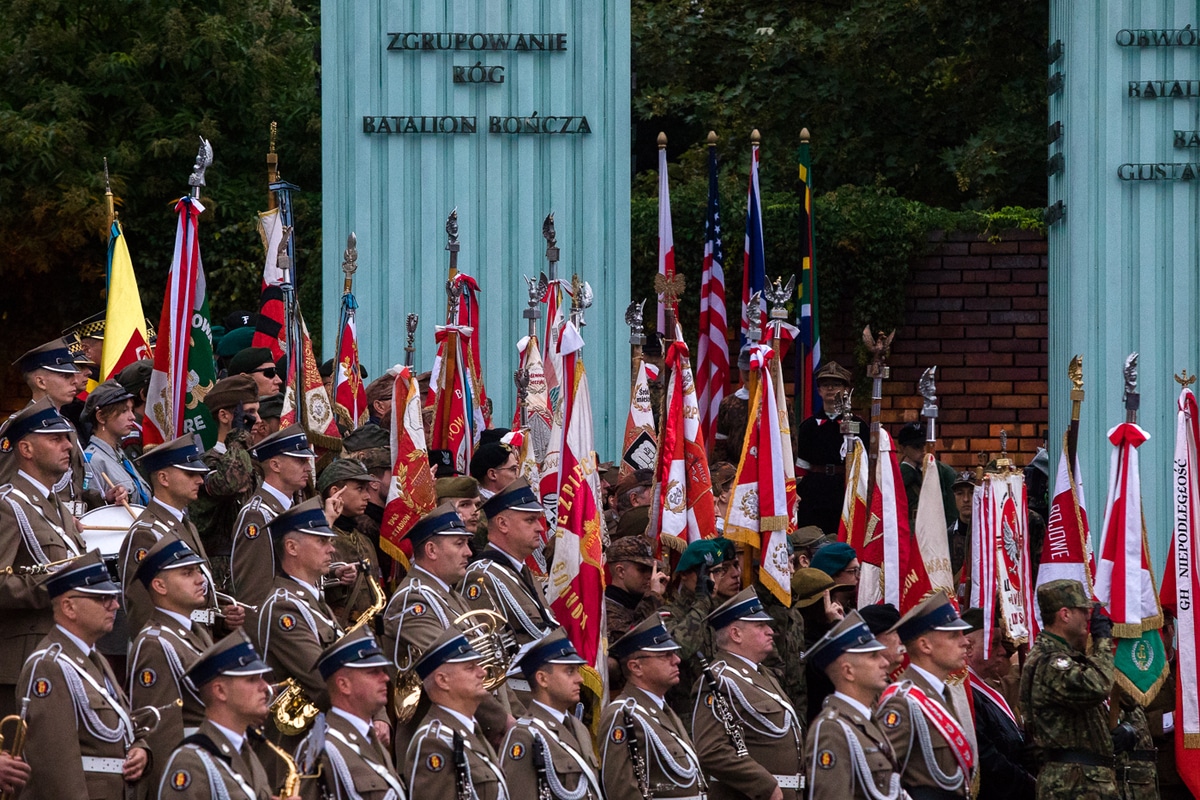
{"x":202,"y":742}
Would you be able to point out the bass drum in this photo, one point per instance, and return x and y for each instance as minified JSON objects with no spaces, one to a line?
{"x":105,"y":528}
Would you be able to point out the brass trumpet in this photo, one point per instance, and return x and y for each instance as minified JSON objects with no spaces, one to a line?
{"x":291,"y":710}
{"x":15,"y":739}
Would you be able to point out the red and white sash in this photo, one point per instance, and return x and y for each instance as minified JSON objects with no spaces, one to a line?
{"x":946,"y":725}
{"x":978,"y":685}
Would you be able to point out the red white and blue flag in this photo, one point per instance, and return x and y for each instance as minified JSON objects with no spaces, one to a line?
{"x":754,"y":263}
{"x":712,"y":360}
{"x":808,"y":355}
{"x":666,"y":239}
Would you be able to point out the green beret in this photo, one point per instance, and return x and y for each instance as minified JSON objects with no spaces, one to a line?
{"x":249,"y":359}
{"x":271,"y":407}
{"x":236,"y":341}
{"x":706,"y":551}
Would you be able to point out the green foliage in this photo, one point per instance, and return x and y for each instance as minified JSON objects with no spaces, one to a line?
{"x":137,"y":81}
{"x":942,"y":100}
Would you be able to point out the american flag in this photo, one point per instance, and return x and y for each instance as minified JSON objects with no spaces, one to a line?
{"x":712,"y":360}
{"x":754,"y":265}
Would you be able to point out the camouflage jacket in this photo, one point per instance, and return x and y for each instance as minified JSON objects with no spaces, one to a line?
{"x":226,"y":489}
{"x":1063,"y":694}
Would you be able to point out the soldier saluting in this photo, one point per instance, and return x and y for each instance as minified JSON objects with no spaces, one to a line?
{"x":746,"y":731}
{"x":549,"y":750}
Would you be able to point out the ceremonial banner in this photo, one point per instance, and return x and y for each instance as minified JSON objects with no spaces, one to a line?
{"x":930,"y":529}
{"x":125,"y":337}
{"x":270,"y":230}
{"x":788,"y":462}
{"x":183,"y":360}
{"x":890,"y":546}
{"x":852,"y":528}
{"x":411,"y":493}
{"x":754,"y":264}
{"x":1067,"y":547}
{"x":348,"y":389}
{"x":576,"y":586}
{"x":757,"y":515}
{"x":470,"y":319}
{"x":684,"y":511}
{"x":640,"y":449}
{"x":551,"y":360}
{"x":808,"y":357}
{"x":1181,"y":588}
{"x":269,"y":331}
{"x":316,"y":416}
{"x":666,"y":238}
{"x":999,"y":537}
{"x":456,"y":421}
{"x":1124,"y":583}
{"x":537,"y":402}
{"x":712,"y":360}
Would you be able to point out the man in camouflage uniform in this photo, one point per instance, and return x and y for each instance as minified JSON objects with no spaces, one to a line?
{"x":1137,"y":769}
{"x":784,"y":662}
{"x":628,"y":598}
{"x":1064,"y":693}
{"x":232,"y":478}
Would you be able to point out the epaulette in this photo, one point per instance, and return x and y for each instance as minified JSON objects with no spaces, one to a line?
{"x":207,"y":745}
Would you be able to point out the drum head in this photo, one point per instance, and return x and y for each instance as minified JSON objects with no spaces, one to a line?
{"x":105,"y":528}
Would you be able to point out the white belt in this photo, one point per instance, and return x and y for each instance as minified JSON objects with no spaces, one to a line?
{"x":518,"y":685}
{"x":110,"y":766}
{"x":789,"y":781}
{"x":190,"y":731}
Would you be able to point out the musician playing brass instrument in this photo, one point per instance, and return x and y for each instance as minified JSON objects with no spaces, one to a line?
{"x":447,"y":757}
{"x":742,"y":707}
{"x":81,"y":740}
{"x":217,"y":760}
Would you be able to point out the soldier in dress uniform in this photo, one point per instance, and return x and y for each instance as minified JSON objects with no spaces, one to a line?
{"x":295,"y":624}
{"x":501,"y":580}
{"x":286,"y":460}
{"x":820,"y":465}
{"x":916,"y":713}
{"x":1064,"y":696}
{"x":36,"y":527}
{"x":355,"y":764}
{"x":169,"y":644}
{"x":81,"y":741}
{"x":425,"y":606}
{"x":646,"y":750}
{"x":448,"y":756}
{"x":549,"y":749}
{"x":847,"y":757}
{"x":176,"y":474}
{"x":746,"y":731}
{"x":348,"y":480}
{"x":217,"y":761}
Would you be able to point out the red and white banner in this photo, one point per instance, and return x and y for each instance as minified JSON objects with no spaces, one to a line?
{"x":758,"y":507}
{"x":930,"y":529}
{"x":666,"y":238}
{"x":412,"y":493}
{"x":348,"y":389}
{"x":537,"y":400}
{"x":685,"y":509}
{"x":456,"y":419}
{"x":318,"y":421}
{"x":1123,"y":580}
{"x":1181,"y":588}
{"x":899,"y":574}
{"x":852,"y":528}
{"x":999,"y":572}
{"x":1067,"y":547}
{"x":640,"y":448}
{"x":575,"y":590}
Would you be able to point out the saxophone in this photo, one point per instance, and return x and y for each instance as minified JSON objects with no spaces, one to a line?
{"x":291,"y":710}
{"x":292,"y":774}
{"x":724,"y":713}
{"x":377,"y":604}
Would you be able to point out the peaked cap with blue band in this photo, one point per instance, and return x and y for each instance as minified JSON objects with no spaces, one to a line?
{"x":183,"y":453}
{"x":289,"y":441}
{"x":851,"y":635}
{"x":744,"y":606}
{"x":934,"y":613}
{"x":442,"y":521}
{"x":357,"y":649}
{"x":517,"y":496}
{"x":449,"y":648}
{"x":554,"y":648}
{"x":166,"y":554}
{"x":307,"y":517}
{"x":650,"y":635}
{"x":39,"y":417}
{"x":233,"y":655}
{"x":87,"y":574}
{"x":54,"y":356}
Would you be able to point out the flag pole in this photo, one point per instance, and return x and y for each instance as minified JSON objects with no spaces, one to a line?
{"x":108,"y":201}
{"x":637,"y":335}
{"x":349,"y":267}
{"x":802,"y":389}
{"x":878,"y":371}
{"x":410,"y":329}
{"x":778,"y":295}
{"x":1075,"y":373}
{"x":452,"y":247}
{"x":272,"y":167}
{"x":929,"y":410}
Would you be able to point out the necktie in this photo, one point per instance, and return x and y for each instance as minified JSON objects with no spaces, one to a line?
{"x":531,"y":586}
{"x":137,"y":482}
{"x":100,"y":664}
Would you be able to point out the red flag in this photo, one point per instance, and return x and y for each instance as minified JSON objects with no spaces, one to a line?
{"x":852,"y":529}
{"x":348,"y":389}
{"x":1067,"y":548}
{"x":469,"y":319}
{"x":411,"y":494}
{"x":304,"y":382}
{"x":1181,"y":588}
{"x":640,"y":448}
{"x":576,"y":586}
{"x":890,"y":547}
{"x":455,"y":425}
{"x":999,"y":544}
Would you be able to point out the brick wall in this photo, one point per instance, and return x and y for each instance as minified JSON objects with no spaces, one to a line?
{"x":977,"y":310}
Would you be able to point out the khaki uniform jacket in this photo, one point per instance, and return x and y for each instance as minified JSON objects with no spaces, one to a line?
{"x":835,"y":770}
{"x":769,"y":728}
{"x":253,"y":554}
{"x":208,"y":761}
{"x":353,"y":768}
{"x":67,"y":725}
{"x":493,"y":583}
{"x":568,"y":750}
{"x":672,"y":766}
{"x":418,"y":613}
{"x":429,"y":762}
{"x":155,"y":523}
{"x":350,"y":602}
{"x":918,"y":766}
{"x":162,"y":652}
{"x":25,"y":615}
